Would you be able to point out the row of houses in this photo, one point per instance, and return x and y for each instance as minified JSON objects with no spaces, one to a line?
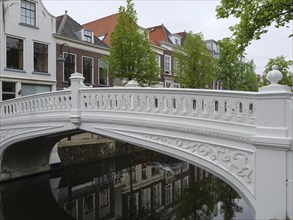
{"x":33,"y":41}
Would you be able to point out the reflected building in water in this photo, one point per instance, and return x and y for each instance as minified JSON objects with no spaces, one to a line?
{"x":123,"y":188}
{"x":142,"y":191}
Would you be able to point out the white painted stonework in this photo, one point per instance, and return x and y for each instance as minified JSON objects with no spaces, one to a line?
{"x":245,"y":138}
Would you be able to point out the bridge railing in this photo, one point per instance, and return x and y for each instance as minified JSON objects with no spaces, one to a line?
{"x":43,"y":102}
{"x":229,"y":106}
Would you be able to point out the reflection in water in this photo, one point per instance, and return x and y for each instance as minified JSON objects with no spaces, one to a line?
{"x":142,"y":186}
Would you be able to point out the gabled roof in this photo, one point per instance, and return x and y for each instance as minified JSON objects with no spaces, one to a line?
{"x":103,"y":27}
{"x":159,"y":33}
{"x":67,"y":27}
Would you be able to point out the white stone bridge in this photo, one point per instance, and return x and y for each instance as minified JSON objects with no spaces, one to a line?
{"x":244,"y":138}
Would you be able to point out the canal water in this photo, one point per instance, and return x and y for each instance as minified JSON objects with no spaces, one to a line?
{"x":144,"y":185}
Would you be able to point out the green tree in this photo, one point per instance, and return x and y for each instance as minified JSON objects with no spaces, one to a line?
{"x":255,"y":16}
{"x":235,"y":74}
{"x":195,"y":65}
{"x":284,"y":67}
{"x":131,"y":56}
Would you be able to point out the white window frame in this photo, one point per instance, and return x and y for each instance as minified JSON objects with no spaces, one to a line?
{"x":27,"y":9}
{"x":92,"y":74}
{"x":84,"y":36}
{"x":167,"y":65}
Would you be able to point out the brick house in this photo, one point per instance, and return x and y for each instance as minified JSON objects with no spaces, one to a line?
{"x":82,"y":52}
{"x":103,"y":28}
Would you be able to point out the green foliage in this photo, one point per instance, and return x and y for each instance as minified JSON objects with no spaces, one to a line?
{"x":234,"y":74}
{"x":199,"y":200}
{"x":284,"y":67}
{"x":131,"y":56}
{"x":195,"y":65}
{"x":255,"y":16}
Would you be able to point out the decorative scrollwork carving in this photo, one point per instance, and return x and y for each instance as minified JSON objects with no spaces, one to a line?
{"x":7,"y":133}
{"x":236,"y":161}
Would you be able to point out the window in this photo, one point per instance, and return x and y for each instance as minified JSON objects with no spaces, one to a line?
{"x":87,"y":69}
{"x":177,"y":188}
{"x":175,"y":65}
{"x":28,"y":13}
{"x":88,"y":206}
{"x":158,"y":59}
{"x":185,"y":183}
{"x":167,"y":64}
{"x":40,"y":57}
{"x":88,"y":36}
{"x":103,"y":70}
{"x":176,"y":41}
{"x":168,"y":194}
{"x":104,"y":202}
{"x":69,"y":66}
{"x":14,"y":53}
{"x":146,"y":198}
{"x":157,"y":195}
{"x":8,"y":90}
{"x":29,"y":89}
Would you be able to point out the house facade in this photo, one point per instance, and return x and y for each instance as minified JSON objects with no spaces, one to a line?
{"x":82,"y":52}
{"x":161,"y":37}
{"x":27,"y":49}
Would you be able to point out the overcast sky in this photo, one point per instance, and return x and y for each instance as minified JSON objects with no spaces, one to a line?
{"x":181,"y":15}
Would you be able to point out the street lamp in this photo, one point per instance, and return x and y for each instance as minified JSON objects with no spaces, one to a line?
{"x":63,"y":59}
{"x":60,"y":57}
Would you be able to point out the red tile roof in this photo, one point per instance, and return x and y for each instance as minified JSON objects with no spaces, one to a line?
{"x":158,"y":34}
{"x":103,"y":27}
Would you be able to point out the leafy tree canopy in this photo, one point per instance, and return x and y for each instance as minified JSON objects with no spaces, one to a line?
{"x":233,"y":72}
{"x":195,"y":65}
{"x":131,"y":56}
{"x":255,"y":16}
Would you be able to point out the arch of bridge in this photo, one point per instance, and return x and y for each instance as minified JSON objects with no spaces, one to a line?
{"x":228,"y":156}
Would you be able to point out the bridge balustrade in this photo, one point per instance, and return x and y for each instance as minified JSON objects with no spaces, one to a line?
{"x":229,"y":106}
{"x":51,"y":101}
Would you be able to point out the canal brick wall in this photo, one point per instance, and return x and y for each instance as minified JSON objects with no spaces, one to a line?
{"x":87,"y":147}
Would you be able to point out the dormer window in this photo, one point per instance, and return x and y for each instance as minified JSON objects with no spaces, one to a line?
{"x":88,"y":35}
{"x":28,"y":13}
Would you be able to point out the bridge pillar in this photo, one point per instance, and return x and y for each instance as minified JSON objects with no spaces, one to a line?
{"x":76,"y":80}
{"x":273,"y":142}
{"x":290,"y":184}
{"x":270,"y":184}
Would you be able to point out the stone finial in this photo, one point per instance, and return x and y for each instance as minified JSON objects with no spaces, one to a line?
{"x":132,"y":83}
{"x":274,"y":76}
